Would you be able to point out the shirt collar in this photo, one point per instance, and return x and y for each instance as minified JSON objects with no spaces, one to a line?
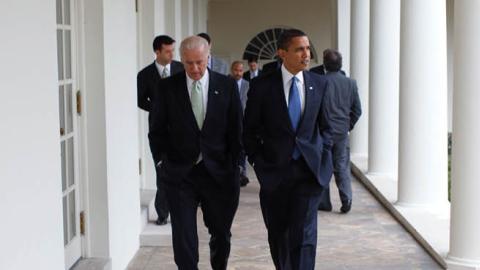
{"x":202,"y":80}
{"x":161,"y":67}
{"x":287,"y":76}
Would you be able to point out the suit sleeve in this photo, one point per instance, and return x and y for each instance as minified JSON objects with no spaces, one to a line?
{"x":235,"y":122}
{"x":158,"y":131}
{"x":252,"y":122}
{"x":356,"y":109}
{"x":143,"y":101}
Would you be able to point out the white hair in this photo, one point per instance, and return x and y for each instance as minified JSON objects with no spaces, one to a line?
{"x":194,"y":43}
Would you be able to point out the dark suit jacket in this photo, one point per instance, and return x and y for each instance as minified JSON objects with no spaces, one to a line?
{"x":269,"y":138}
{"x":177,"y":141}
{"x":246,"y":75}
{"x":341,"y":103}
{"x":147,"y":79}
{"x":321,"y":70}
{"x":272,"y":66}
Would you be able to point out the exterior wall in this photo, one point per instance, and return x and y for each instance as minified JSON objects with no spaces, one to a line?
{"x":232,"y":24}
{"x":120,"y":61}
{"x":30,"y":183}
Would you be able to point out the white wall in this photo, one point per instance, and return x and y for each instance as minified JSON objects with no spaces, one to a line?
{"x":232,"y":24}
{"x":30,"y":184}
{"x":121,"y":129}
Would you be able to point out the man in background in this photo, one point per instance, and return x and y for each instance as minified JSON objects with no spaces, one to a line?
{"x":253,"y":70}
{"x":342,"y":107}
{"x":147,"y":80}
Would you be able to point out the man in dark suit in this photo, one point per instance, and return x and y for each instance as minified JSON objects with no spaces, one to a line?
{"x":284,"y":131}
{"x":195,"y":136}
{"x":253,"y":70}
{"x":214,"y":63}
{"x":321,"y":69}
{"x":343,"y":109}
{"x":147,"y":79}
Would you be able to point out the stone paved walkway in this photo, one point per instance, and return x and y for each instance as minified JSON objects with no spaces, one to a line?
{"x":367,"y":238}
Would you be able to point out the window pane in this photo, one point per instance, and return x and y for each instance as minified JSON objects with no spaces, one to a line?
{"x":73,"y":216}
{"x":70,"y":162}
{"x":64,"y":169}
{"x":59,"y":11}
{"x":67,"y":11}
{"x":61,"y":109}
{"x":68,"y":55}
{"x":69,"y":109}
{"x":65,"y":221}
{"x":60,"y":54}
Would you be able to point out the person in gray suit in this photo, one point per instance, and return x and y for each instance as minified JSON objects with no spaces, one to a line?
{"x":214,"y":63}
{"x":342,"y":108}
{"x":236,"y":72}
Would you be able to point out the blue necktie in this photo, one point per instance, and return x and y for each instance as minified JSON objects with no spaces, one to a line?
{"x":294,"y":111}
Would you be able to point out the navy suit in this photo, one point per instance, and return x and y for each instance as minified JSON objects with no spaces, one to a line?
{"x":176,"y":142}
{"x":147,"y":81}
{"x":290,"y":189}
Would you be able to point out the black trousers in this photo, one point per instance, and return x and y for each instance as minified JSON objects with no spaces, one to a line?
{"x":218,"y":204}
{"x":290,"y":215}
{"x":161,"y":202}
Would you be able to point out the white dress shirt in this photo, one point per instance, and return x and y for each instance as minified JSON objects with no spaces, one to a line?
{"x":287,"y":83}
{"x":160,"y":68}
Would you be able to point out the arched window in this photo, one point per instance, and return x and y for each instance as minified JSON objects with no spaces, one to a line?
{"x":264,"y":45}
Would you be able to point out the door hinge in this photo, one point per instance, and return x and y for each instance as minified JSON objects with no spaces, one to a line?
{"x":140,"y":166}
{"x":82,"y":223}
{"x":79,"y":102}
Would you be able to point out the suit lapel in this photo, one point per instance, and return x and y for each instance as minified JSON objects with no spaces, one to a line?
{"x":183,"y":98}
{"x":309,"y":97}
{"x":281,"y":99}
{"x":213,"y":92}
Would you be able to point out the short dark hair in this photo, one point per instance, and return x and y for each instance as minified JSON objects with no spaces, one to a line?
{"x":205,"y":36}
{"x":159,"y":41}
{"x":287,"y":36}
{"x":332,"y":60}
{"x":252,"y":59}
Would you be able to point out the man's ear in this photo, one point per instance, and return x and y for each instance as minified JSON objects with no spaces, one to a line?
{"x":281,"y":53}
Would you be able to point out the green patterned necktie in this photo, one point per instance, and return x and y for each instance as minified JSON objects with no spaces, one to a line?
{"x":164,"y":73}
{"x":197,"y":102}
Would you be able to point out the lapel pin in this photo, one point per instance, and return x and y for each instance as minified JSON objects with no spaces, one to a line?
{"x":310,"y":88}
{"x":216,"y":92}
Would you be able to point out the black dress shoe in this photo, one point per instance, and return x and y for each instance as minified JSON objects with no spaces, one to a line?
{"x":244,"y":180}
{"x":326,"y":208}
{"x":346,"y":207}
{"x":161,"y":222}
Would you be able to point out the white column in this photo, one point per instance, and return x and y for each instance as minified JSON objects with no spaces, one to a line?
{"x":187,"y":18}
{"x":160,"y":24}
{"x":343,"y":33}
{"x":200,"y":16}
{"x":359,"y":47}
{"x":383,"y":96}
{"x":465,"y":211}
{"x":173,"y":21}
{"x":423,"y":105}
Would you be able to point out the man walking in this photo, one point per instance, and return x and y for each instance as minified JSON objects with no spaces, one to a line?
{"x":283,"y":137}
{"x":195,"y":134}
